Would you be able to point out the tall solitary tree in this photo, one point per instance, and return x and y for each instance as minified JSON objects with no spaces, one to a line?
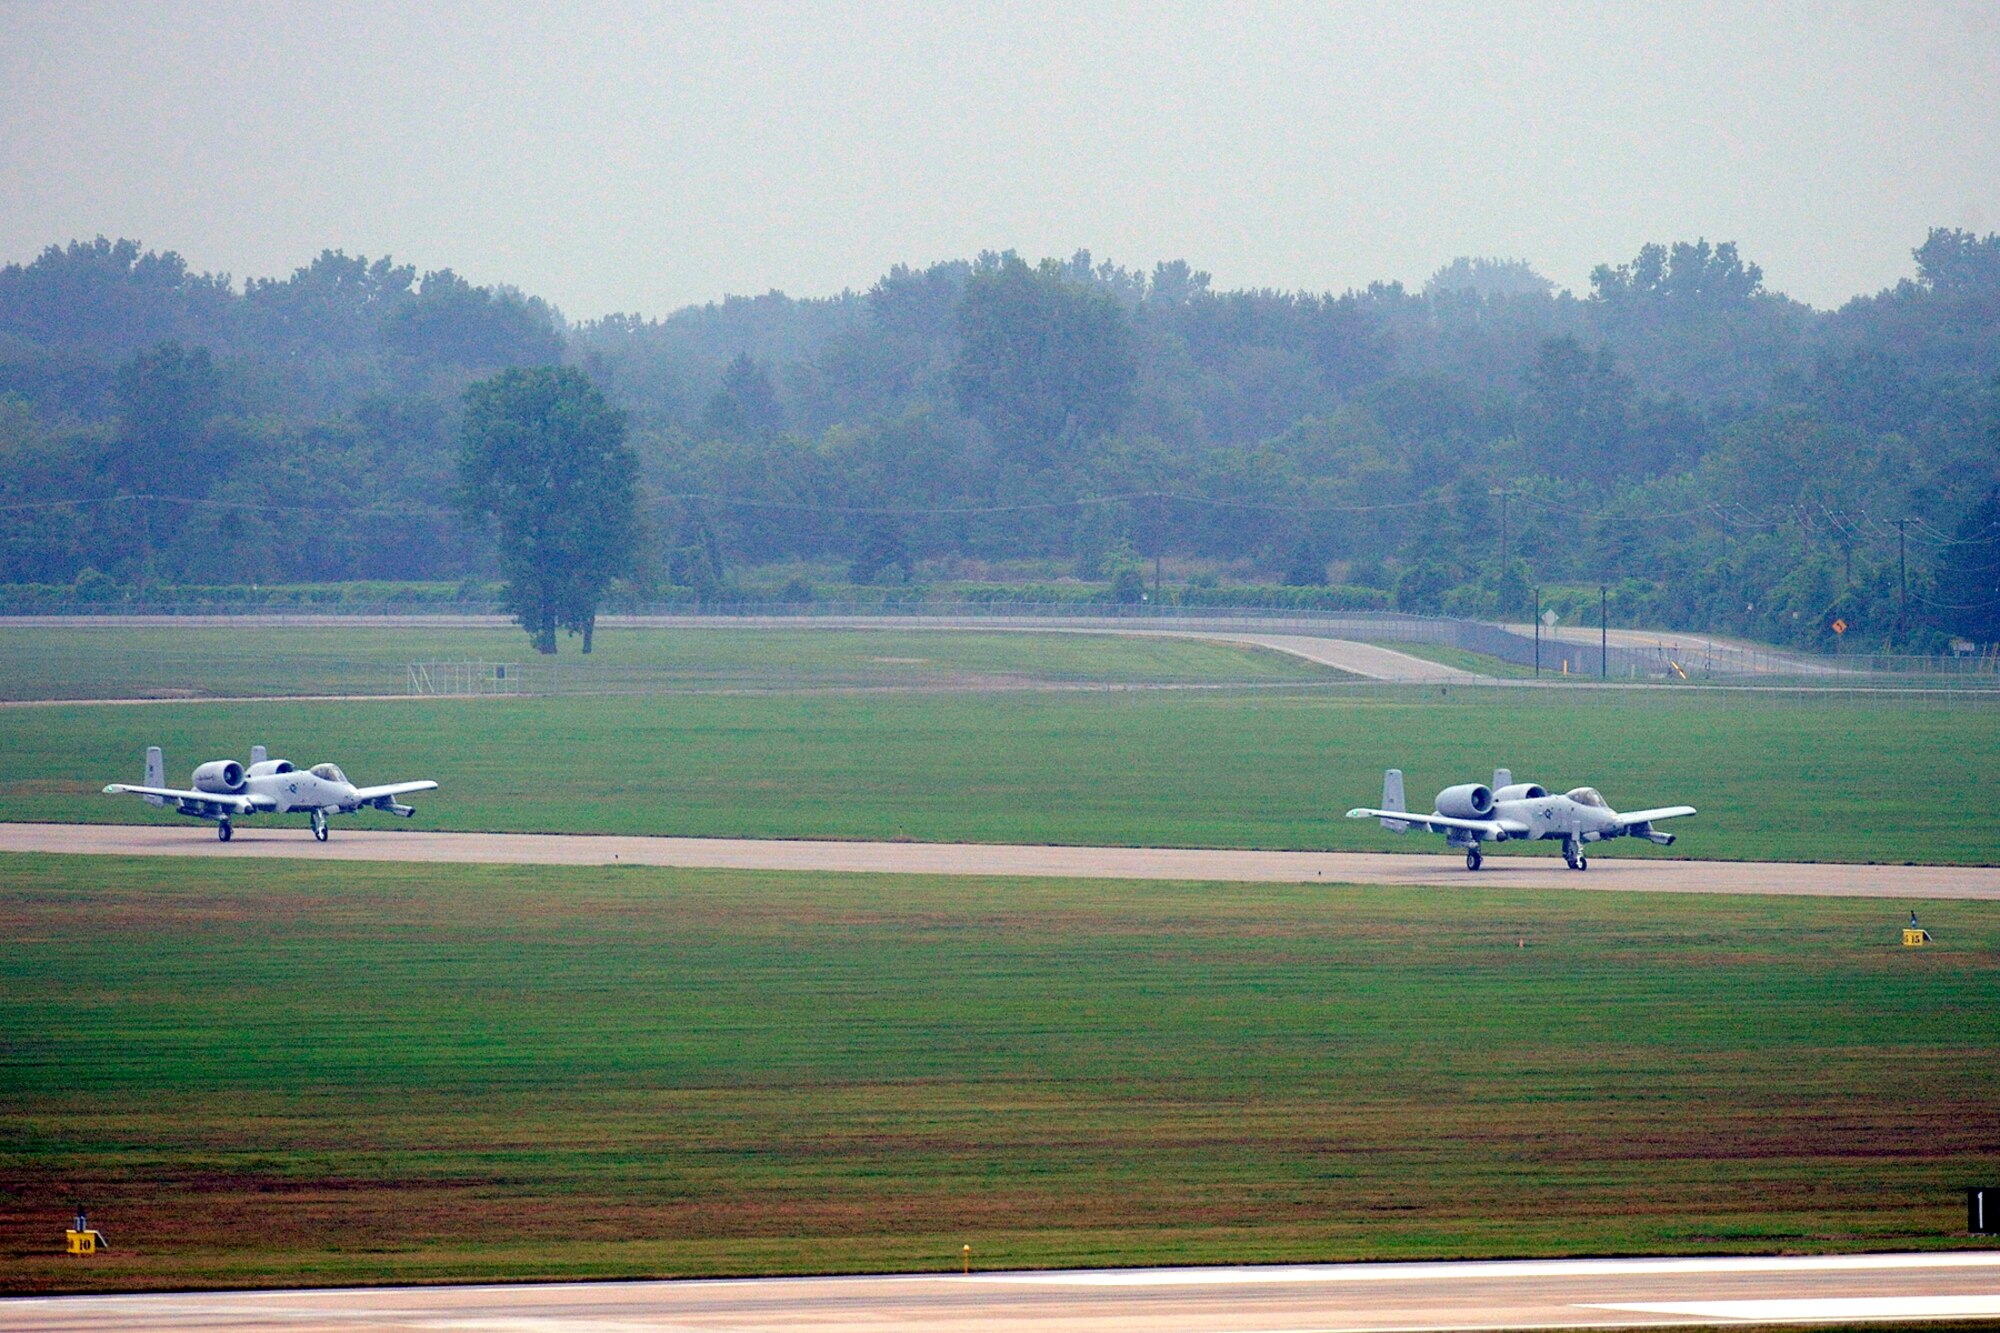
{"x":544,"y":456}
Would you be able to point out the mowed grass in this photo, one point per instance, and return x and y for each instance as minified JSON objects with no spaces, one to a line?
{"x":1463,"y":659}
{"x":1822,"y":780}
{"x":306,"y":1073}
{"x":253,"y":660}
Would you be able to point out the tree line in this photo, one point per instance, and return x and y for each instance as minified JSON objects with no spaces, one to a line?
{"x":1718,"y":455}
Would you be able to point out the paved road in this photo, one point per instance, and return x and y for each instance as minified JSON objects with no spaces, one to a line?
{"x":1590,"y":1293}
{"x":1607,"y":870}
{"x":1360,"y":659}
{"x":1702,"y":652}
{"x":1365,"y":660}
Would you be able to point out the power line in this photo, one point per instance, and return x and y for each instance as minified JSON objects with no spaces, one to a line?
{"x":1733,"y":514}
{"x":88,"y":502}
{"x":1027,"y":506}
{"x":1956,"y":606}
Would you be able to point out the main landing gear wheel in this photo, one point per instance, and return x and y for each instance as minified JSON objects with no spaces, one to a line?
{"x":1574,"y":858}
{"x":1472,"y":858}
{"x":222,"y":830}
{"x":319,"y":825}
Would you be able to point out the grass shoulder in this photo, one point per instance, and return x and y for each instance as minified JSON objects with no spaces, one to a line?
{"x":370,"y":1073}
{"x":1774,"y":779}
{"x":1463,"y":659}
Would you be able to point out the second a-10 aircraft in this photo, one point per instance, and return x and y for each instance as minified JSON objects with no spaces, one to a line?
{"x":224,"y":790}
{"x":1472,"y":813}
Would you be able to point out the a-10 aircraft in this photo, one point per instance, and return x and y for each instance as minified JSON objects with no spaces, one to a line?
{"x":224,"y":789}
{"x":1472,"y":813}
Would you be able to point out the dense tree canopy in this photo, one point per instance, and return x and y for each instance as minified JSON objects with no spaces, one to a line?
{"x":1719,"y":455}
{"x":1969,"y":575}
{"x":1044,"y":361}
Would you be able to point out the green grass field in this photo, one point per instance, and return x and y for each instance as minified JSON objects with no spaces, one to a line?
{"x":367,"y":1072}
{"x":258,"y":660}
{"x":1465,"y":660}
{"x":1842,"y":781}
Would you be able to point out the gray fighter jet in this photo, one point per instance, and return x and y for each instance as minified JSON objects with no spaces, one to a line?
{"x":224,"y":789}
{"x":1472,"y":813}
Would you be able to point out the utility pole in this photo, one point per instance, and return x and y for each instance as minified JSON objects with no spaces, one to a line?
{"x":1603,"y":632}
{"x":1159,"y":540}
{"x":1902,"y":582}
{"x":1503,"y":527}
{"x":1538,"y":633}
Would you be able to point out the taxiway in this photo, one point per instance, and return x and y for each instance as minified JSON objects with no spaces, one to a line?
{"x":1335,"y":1298}
{"x":1634,"y":874}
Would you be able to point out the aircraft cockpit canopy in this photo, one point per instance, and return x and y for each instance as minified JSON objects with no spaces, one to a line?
{"x":1587,"y":796}
{"x":332,"y":773}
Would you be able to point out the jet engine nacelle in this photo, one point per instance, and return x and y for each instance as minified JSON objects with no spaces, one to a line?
{"x":224,"y":777}
{"x":1521,"y":791}
{"x":1471,"y":800}
{"x":265,"y":768}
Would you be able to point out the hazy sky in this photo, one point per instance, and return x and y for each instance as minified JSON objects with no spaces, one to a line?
{"x":622,"y":156}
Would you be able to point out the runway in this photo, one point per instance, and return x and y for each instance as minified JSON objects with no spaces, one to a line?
{"x":1336,"y":1298}
{"x":1608,"y":871}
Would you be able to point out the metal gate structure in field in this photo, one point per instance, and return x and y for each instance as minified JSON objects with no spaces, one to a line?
{"x":449,"y":679}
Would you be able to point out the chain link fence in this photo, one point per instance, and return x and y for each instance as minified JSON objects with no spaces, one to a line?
{"x":1564,"y":653}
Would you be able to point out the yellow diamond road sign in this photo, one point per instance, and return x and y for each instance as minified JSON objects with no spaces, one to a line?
{"x":1840,"y":627}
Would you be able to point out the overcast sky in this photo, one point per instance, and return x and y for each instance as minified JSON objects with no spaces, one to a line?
{"x":622,"y":156}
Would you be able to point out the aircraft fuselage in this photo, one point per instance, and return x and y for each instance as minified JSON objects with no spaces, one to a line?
{"x":1547,"y":817}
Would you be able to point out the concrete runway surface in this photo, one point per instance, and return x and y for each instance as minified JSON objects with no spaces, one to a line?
{"x":1607,"y":870}
{"x":1360,"y":659}
{"x":1579,"y":1293}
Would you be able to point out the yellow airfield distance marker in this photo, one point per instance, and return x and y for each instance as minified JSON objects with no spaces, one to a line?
{"x":84,"y":1238}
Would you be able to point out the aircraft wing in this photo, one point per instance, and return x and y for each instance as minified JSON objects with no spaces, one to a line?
{"x":1494,"y":829}
{"x":1649,"y":816}
{"x":392,"y":789}
{"x":240,"y":804}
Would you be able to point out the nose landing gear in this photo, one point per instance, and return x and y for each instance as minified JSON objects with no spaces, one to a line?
{"x":1472,"y":858}
{"x":222,"y":830}
{"x":1573,"y":856}
{"x":319,"y":825}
